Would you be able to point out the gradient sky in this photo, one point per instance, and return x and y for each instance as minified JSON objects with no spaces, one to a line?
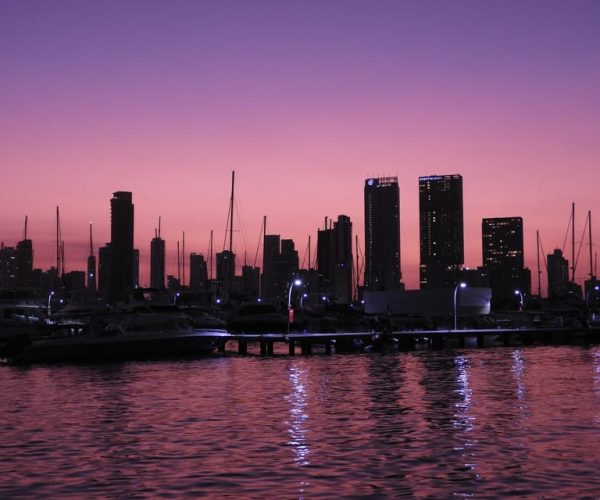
{"x":304,"y":100}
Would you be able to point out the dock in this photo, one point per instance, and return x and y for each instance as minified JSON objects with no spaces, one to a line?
{"x":330,"y":342}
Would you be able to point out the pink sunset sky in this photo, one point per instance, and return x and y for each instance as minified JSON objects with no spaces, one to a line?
{"x":304,"y":100}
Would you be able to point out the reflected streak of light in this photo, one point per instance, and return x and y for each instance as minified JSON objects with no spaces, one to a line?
{"x":596,"y":368}
{"x":297,"y":430}
{"x":518,"y":370}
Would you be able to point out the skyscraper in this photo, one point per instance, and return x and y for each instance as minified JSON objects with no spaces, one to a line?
{"x":502,"y":241}
{"x":382,"y":234}
{"x":558,"y":274}
{"x":334,"y":260}
{"x":157,"y":262}
{"x":24,"y":263}
{"x":440,"y":229}
{"x":502,"y":248}
{"x":121,"y":243}
{"x":198,"y":272}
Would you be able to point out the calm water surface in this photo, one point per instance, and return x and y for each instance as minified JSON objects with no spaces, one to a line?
{"x":497,"y":422}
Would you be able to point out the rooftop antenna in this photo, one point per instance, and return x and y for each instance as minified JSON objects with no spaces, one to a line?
{"x":210,"y":255}
{"x":183,"y":258}
{"x":91,"y":241}
{"x":158,"y":226}
{"x":25,"y":230}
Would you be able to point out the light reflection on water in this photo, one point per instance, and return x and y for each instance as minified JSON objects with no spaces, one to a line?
{"x":477,"y":422}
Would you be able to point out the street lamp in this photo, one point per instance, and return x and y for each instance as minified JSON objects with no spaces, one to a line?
{"x":521,"y":301}
{"x":458,"y":285}
{"x":295,"y":282}
{"x":49,"y":299}
{"x":304,"y":295}
{"x":175,"y":298}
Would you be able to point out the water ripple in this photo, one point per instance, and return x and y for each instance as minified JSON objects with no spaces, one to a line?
{"x":486,"y":423}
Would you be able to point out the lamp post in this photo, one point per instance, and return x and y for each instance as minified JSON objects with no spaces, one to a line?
{"x":295,"y":282}
{"x":304,"y":295}
{"x":49,"y":299}
{"x":521,"y":301}
{"x":175,"y":298}
{"x":588,"y":297}
{"x":458,"y":285}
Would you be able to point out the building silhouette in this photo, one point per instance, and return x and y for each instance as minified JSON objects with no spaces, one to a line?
{"x":558,"y":275}
{"x":198,"y":272}
{"x":440,"y":230}
{"x":280,"y":266}
{"x":8,"y":267}
{"x":271,"y":251}
{"x":122,"y":264}
{"x":503,"y":258}
{"x":334,"y":260}
{"x":104,"y":261}
{"x":250,"y":281}
{"x":225,"y":274}
{"x":382,"y":234}
{"x":24,"y":263}
{"x":157,"y":262}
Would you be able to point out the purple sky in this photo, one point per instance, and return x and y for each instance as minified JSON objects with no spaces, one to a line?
{"x":304,"y":100}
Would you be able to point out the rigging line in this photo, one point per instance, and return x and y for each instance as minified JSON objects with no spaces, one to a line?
{"x":226,"y":230}
{"x":567,"y":233}
{"x":260,"y":237}
{"x":581,"y":242}
{"x":305,"y":254}
{"x":544,"y":253}
{"x":242,"y":222}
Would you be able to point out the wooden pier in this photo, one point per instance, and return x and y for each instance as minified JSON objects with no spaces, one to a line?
{"x":339,"y":342}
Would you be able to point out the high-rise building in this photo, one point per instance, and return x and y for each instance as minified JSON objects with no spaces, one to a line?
{"x":157,"y":262}
{"x":122,"y":252}
{"x":250,"y":281}
{"x":440,"y":229}
{"x":502,"y":241}
{"x":558,"y":274}
{"x":8,"y":267}
{"x":24,"y":263}
{"x":334,"y":260}
{"x":271,"y":250}
{"x":382,"y":234}
{"x":225,"y":273}
{"x":104,"y":261}
{"x":198,"y":272}
{"x":503,"y":260}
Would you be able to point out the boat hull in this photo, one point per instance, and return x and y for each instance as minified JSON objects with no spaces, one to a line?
{"x":147,"y":345}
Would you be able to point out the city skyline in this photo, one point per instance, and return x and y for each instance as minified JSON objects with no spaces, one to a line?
{"x":304,"y":101}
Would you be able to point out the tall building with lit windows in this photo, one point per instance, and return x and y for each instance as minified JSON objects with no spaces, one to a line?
{"x":382,"y":234}
{"x":122,"y":254}
{"x":502,"y":241}
{"x":441,"y":230}
{"x":502,"y":248}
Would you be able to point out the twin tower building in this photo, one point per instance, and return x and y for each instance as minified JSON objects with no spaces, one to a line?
{"x":441,"y":232}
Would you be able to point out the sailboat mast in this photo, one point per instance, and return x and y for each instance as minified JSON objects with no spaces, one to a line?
{"x":539,"y":272}
{"x":231,"y":212}
{"x":178,"y":265}
{"x":592,"y":276}
{"x":573,"y":242}
{"x":356,"y":247}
